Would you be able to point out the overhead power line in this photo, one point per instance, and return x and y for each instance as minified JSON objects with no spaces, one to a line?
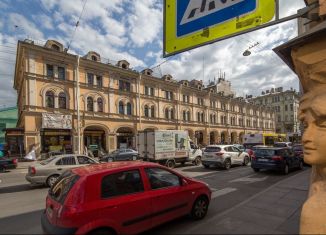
{"x":76,"y":26}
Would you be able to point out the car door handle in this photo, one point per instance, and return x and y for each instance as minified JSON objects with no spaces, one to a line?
{"x":59,"y":169}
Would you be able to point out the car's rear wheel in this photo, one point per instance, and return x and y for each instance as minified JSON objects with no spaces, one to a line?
{"x":206,"y":166}
{"x":227,"y":164}
{"x":246,"y":161}
{"x":197,"y":161}
{"x":51,"y":180}
{"x":286,"y":169}
{"x":200,"y":208}
{"x":170,"y":163}
{"x":301,"y":165}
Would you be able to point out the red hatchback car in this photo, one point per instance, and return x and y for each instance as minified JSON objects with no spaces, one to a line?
{"x":121,"y":198}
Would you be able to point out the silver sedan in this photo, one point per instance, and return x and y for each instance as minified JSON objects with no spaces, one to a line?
{"x":48,"y":171}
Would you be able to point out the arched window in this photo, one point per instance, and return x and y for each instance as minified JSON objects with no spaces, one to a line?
{"x":153,"y":111}
{"x":146,"y":111}
{"x":167,"y":113}
{"x":55,"y":47}
{"x":49,"y":99}
{"x":90,"y":104}
{"x":184,"y":115}
{"x":62,"y":100}
{"x":211,"y":118}
{"x":121,"y":108}
{"x":99,"y":105}
{"x":172,"y":113}
{"x":202,"y":117}
{"x":188,"y":116}
{"x":129,"y":111}
{"x":198,"y":117}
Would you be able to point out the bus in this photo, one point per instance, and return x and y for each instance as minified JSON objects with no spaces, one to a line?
{"x":268,"y":139}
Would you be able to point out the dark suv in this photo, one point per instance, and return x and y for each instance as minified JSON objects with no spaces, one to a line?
{"x":273,"y":158}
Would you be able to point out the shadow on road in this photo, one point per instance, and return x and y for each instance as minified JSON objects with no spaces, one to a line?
{"x":20,"y":188}
{"x":27,"y":223}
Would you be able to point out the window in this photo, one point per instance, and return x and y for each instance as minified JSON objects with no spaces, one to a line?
{"x":149,"y":91}
{"x":49,"y":99}
{"x":153,"y":111}
{"x":94,"y":58}
{"x":168,"y":95}
{"x":121,"y":108}
{"x":160,"y":178}
{"x":99,"y":81}
{"x":85,"y":160}
{"x":129,"y":111}
{"x":90,"y":104}
{"x":146,"y":111}
{"x":291,"y":107}
{"x":61,"y":73}
{"x":49,"y":71}
{"x":122,"y":183}
{"x":167,"y":113}
{"x":90,"y":79}
{"x":62,"y":100}
{"x":184,"y":116}
{"x":66,"y":161}
{"x":185,"y":98}
{"x":124,"y":86}
{"x":55,"y":47}
{"x":99,"y":105}
{"x":286,"y":107}
{"x":200,"y":101}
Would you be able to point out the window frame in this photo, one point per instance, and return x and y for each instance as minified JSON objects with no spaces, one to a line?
{"x":162,"y":188}
{"x":125,"y":194}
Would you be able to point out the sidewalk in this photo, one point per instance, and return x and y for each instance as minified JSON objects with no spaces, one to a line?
{"x":276,"y":210}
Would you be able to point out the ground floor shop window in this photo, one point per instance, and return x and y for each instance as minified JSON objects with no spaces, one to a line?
{"x":56,"y":141}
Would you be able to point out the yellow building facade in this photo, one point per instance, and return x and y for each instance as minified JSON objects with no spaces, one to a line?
{"x":66,"y":102}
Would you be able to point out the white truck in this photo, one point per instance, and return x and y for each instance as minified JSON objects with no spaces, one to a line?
{"x":167,"y":147}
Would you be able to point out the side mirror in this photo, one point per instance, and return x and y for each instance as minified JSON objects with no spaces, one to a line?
{"x":184,"y":182}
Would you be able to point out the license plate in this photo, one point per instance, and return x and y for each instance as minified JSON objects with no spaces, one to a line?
{"x":49,"y":212}
{"x":263,"y":160}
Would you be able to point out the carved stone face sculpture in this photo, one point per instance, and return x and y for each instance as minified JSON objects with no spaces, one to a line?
{"x":313,"y":115}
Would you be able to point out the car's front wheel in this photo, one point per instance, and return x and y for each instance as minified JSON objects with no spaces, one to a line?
{"x":200,"y":208}
{"x":51,"y":180}
{"x":245,"y":161}
{"x":227,"y":164}
{"x":197,"y":161}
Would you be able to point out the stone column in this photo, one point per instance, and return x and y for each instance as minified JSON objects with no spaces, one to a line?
{"x":306,"y":55}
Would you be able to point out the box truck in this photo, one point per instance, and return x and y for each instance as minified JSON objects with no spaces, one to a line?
{"x":167,"y":147}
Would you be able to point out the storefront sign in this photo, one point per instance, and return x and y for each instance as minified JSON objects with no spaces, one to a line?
{"x":56,"y":121}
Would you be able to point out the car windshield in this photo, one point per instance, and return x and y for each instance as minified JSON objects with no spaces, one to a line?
{"x":47,"y":161}
{"x":212,"y":149}
{"x":298,"y":148}
{"x":265,"y":152}
{"x":62,"y":186}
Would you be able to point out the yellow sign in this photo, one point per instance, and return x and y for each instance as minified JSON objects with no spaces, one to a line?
{"x":192,"y":23}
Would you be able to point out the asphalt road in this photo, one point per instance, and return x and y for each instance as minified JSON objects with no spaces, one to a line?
{"x":22,"y":204}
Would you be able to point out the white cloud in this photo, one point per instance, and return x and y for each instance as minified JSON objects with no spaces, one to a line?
{"x":44,"y":20}
{"x":25,"y":27}
{"x":145,"y":22}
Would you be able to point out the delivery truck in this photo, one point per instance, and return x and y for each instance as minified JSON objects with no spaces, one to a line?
{"x":167,"y":147}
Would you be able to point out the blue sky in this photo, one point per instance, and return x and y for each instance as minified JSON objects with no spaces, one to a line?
{"x":132,"y":30}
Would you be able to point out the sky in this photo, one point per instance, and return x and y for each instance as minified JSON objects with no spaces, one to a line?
{"x":133,"y":30}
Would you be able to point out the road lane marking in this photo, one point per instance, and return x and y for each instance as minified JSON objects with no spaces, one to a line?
{"x":222,"y":192}
{"x":219,"y":171}
{"x":248,"y":179}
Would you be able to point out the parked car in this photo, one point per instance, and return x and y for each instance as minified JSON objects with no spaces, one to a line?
{"x":48,"y":171}
{"x":298,"y":150}
{"x":240,"y":146}
{"x":121,"y":155}
{"x":121,"y":198}
{"x":7,"y":163}
{"x":224,"y":156}
{"x":283,"y":144}
{"x":273,"y":158}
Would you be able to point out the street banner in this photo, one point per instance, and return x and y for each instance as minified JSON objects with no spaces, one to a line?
{"x":56,"y":121}
{"x":190,"y":24}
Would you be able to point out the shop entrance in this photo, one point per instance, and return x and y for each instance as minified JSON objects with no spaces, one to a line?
{"x":53,"y":140}
{"x":94,"y":140}
{"x":125,"y":138}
